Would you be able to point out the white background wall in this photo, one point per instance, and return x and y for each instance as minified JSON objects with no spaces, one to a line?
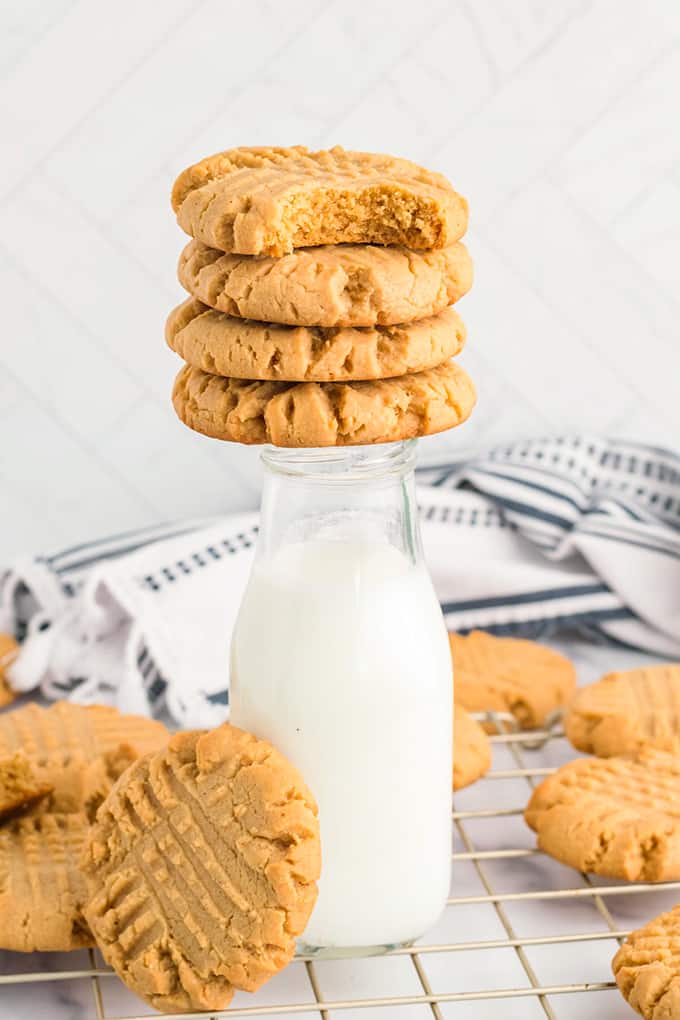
{"x":558,"y":119}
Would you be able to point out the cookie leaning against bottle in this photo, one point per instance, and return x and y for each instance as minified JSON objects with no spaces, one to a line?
{"x":206,"y":855}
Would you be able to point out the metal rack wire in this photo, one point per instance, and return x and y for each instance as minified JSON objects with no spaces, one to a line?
{"x":521,"y":747}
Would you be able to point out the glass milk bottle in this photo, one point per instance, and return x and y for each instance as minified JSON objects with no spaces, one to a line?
{"x":340,"y":658}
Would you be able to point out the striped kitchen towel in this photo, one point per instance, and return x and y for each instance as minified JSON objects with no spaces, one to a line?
{"x":535,"y":538}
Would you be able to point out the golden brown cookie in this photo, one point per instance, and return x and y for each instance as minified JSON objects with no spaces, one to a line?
{"x":202,"y":869}
{"x":224,"y":345}
{"x":9,"y":649}
{"x":79,"y":750}
{"x":42,"y":889}
{"x":618,"y":817}
{"x":333,"y":285}
{"x":20,"y":788}
{"x":509,"y":675}
{"x":624,"y":712}
{"x":268,"y":201}
{"x":324,"y":414}
{"x":471,"y":749}
{"x":647,"y":968}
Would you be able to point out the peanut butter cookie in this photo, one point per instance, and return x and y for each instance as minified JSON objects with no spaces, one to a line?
{"x":624,"y":712}
{"x":20,"y":788}
{"x":324,"y":414}
{"x":9,"y":649}
{"x":618,"y":817}
{"x":471,"y":749}
{"x":334,"y":285}
{"x":509,"y":675}
{"x":268,"y":201}
{"x":224,"y":345}
{"x":78,"y":750}
{"x":202,"y":869}
{"x":42,"y":889}
{"x":647,"y":968}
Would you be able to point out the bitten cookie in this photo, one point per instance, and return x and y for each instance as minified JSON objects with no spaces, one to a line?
{"x":268,"y":201}
{"x":42,"y":889}
{"x":202,"y":869}
{"x":617,"y":817}
{"x":324,"y":414}
{"x":471,"y":749}
{"x":335,"y":285}
{"x":510,"y":675}
{"x":647,"y":968}
{"x":224,"y":345}
{"x":78,"y":750}
{"x":624,"y":712}
{"x":9,"y":649}
{"x":20,"y":788}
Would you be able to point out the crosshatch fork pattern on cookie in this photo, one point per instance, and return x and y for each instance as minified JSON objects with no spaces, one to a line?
{"x":528,"y":911}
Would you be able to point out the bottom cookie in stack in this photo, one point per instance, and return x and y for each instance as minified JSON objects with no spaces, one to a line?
{"x":324,"y":414}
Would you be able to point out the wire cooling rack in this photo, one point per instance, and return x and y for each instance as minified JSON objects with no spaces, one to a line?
{"x":553,"y":931}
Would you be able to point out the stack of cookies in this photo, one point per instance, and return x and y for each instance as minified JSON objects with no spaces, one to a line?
{"x":321,"y":286}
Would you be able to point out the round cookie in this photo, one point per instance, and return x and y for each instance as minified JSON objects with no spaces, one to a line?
{"x":224,"y":345}
{"x":9,"y":649}
{"x":471,"y":749}
{"x":78,"y":750}
{"x":334,"y":285}
{"x":624,"y":712}
{"x":42,"y":889}
{"x":510,"y":675}
{"x":268,"y":201}
{"x":202,"y":869}
{"x":647,"y":968}
{"x":617,"y":817}
{"x":323,"y":414}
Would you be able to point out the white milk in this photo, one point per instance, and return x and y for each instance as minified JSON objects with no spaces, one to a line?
{"x":340,"y":659}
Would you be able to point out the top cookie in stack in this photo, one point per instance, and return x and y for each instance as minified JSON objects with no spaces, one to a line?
{"x":321,"y":286}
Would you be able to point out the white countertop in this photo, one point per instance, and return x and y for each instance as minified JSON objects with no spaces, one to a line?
{"x":447,"y":972}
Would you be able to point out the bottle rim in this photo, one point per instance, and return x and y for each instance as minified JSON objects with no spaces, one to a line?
{"x":342,"y":464}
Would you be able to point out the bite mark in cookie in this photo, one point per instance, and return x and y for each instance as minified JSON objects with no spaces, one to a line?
{"x":268,"y":201}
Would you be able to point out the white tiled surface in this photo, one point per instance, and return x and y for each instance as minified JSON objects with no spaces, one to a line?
{"x":558,"y":120}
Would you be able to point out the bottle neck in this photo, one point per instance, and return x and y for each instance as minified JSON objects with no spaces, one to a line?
{"x":356,"y":495}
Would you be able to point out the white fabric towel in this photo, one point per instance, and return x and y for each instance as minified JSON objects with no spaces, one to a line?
{"x":531,"y":539}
